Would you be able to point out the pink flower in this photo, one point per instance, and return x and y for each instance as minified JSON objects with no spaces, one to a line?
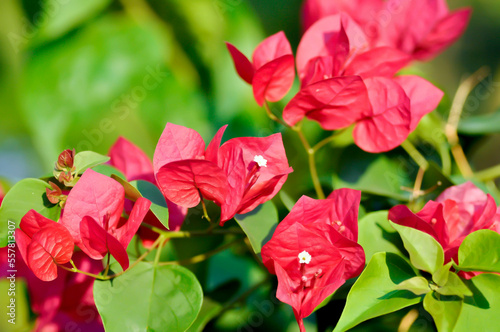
{"x":420,"y":28}
{"x":457,"y":212}
{"x":237,"y":176}
{"x":43,"y":243}
{"x":345,"y":82}
{"x":271,"y":74}
{"x":314,"y":250}
{"x":93,"y":216}
{"x":256,"y":169}
{"x":136,"y":165}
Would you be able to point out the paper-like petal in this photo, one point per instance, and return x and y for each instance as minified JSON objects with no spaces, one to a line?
{"x":49,"y":246}
{"x":403,"y":216}
{"x":93,"y":238}
{"x":389,"y":123}
{"x":249,"y":184}
{"x":126,"y":232}
{"x":345,"y":209}
{"x":33,"y":221}
{"x":281,"y":252}
{"x":444,"y":33}
{"x":96,"y":243}
{"x":335,"y":103}
{"x":243,"y":66}
{"x":131,"y":160}
{"x":213,"y":147}
{"x":327,"y":37}
{"x":177,"y":143}
{"x":380,"y":61}
{"x":22,"y":242}
{"x":271,"y":48}
{"x":94,"y":195}
{"x":424,"y":96}
{"x":273,"y":80}
{"x":182,"y":182}
{"x":410,"y":22}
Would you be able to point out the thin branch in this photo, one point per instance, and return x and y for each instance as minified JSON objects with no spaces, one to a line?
{"x":456,"y":110}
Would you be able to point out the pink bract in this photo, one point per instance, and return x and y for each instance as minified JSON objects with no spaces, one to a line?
{"x":314,"y":250}
{"x":43,"y":243}
{"x":457,"y":212}
{"x":271,"y":71}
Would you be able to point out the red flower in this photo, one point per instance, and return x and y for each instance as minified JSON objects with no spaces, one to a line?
{"x":420,"y":28}
{"x":344,"y":82}
{"x":184,"y":171}
{"x":314,"y":250}
{"x":136,"y":165}
{"x":43,"y":243}
{"x":93,"y":212}
{"x":237,"y":176}
{"x":271,"y":74}
{"x":256,"y":169}
{"x":457,"y":212}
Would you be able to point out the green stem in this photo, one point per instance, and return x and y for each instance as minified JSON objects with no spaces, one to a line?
{"x":201,"y":257}
{"x":205,"y":212}
{"x":158,"y":251}
{"x":96,"y":276}
{"x":188,"y":234}
{"x":327,"y":140}
{"x":415,"y":155}
{"x":489,"y":173}
{"x":272,"y":116}
{"x":106,"y":270}
{"x":312,"y":164}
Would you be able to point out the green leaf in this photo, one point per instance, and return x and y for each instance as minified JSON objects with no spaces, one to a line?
{"x":158,"y":203}
{"x":454,"y":286}
{"x":209,"y":310}
{"x":27,"y":194}
{"x":377,"y":235}
{"x":444,"y":312}
{"x":425,"y":252}
{"x":65,"y":16}
{"x":88,"y":159}
{"x":374,"y":174}
{"x":480,"y":251}
{"x":480,"y":124}
{"x":149,"y":298}
{"x":108,"y":171}
{"x":416,"y":285}
{"x":259,"y":224}
{"x":375,"y":292}
{"x":288,"y":202}
{"x":482,"y":311}
{"x":73,"y":89}
{"x":440,"y":277}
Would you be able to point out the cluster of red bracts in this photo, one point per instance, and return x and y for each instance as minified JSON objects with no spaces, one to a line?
{"x":314,"y":250}
{"x":346,"y":62}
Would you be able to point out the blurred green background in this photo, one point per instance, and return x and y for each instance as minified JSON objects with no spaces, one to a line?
{"x":81,"y":73}
{"x":78,"y":74}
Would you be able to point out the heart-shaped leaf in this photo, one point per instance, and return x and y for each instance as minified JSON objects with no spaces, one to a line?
{"x":149,"y":298}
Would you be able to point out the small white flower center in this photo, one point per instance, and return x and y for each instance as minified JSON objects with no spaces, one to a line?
{"x":304,"y":257}
{"x":260,"y":161}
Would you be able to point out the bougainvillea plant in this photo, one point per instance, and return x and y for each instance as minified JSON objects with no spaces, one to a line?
{"x":124,"y":242}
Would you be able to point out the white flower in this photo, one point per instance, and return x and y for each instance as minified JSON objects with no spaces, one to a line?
{"x":304,"y":257}
{"x":260,"y":161}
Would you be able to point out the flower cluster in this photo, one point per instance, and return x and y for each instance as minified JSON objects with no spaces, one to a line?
{"x":346,"y":69}
{"x":314,"y":250}
{"x":237,"y":175}
{"x":457,"y":212}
